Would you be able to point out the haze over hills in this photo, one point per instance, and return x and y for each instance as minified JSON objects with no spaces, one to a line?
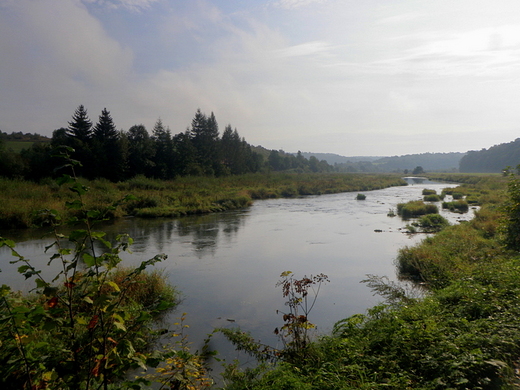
{"x":428,"y":161}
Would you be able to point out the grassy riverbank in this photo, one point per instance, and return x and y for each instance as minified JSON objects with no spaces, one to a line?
{"x":457,"y":329}
{"x":20,"y":200}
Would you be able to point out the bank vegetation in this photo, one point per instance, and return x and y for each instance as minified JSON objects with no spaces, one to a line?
{"x":451,"y":323}
{"x":21,"y":200}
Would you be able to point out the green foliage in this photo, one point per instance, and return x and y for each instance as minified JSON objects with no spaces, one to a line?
{"x":511,"y":226}
{"x":457,"y":329}
{"x":415,"y":208}
{"x":93,"y":322}
{"x":21,"y":201}
{"x":432,"y":198}
{"x":458,"y":206}
{"x":418,"y":170}
{"x":361,"y":197}
{"x":427,"y":191}
{"x":493,"y":159}
{"x":432,"y":223}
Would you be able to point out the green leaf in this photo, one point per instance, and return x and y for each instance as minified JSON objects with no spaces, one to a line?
{"x":77,"y":235}
{"x":120,"y":326}
{"x":23,"y":268}
{"x":94,"y":214}
{"x":41,"y":284}
{"x":64,"y":179}
{"x":74,"y":205}
{"x":97,"y":235}
{"x":6,"y":242}
{"x":79,"y":188}
{"x":114,"y":286}
{"x":89,"y":260}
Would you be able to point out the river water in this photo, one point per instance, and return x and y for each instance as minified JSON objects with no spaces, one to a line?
{"x":226,"y":265}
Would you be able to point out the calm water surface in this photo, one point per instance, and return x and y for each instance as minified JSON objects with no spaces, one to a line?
{"x":226,"y":265}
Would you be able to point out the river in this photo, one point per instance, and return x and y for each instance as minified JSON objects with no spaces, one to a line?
{"x":227,"y":264}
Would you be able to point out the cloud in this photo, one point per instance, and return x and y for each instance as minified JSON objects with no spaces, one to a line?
{"x":489,"y":52}
{"x":132,"y":5}
{"x":306,"y":49}
{"x":55,"y":56}
{"x":292,"y":4}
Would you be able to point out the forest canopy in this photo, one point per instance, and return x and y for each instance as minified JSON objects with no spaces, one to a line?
{"x":106,"y":152}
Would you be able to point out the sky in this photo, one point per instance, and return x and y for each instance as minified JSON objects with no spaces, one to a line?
{"x":351,"y":77}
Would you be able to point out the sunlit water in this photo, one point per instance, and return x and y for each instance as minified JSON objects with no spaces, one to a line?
{"x":226,"y":265}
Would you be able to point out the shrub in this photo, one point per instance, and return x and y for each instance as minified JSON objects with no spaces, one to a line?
{"x":432,"y":223}
{"x":459,"y":206}
{"x":361,"y":197}
{"x":432,"y":198}
{"x":415,"y":208}
{"x":427,"y":191}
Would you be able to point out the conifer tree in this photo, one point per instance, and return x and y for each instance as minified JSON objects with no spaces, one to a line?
{"x":79,"y":135}
{"x":106,"y":148}
{"x":205,"y":138}
{"x":80,"y":127}
{"x":140,"y":151}
{"x":162,"y":139}
{"x":105,"y":129}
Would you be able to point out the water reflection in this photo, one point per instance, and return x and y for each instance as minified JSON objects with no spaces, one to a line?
{"x":416,"y":180}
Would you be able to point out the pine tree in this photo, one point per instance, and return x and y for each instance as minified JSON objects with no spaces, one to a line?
{"x":162,"y":139}
{"x":205,"y":138}
{"x":105,"y":129}
{"x":80,"y":127}
{"x":106,"y":148}
{"x":79,"y":134}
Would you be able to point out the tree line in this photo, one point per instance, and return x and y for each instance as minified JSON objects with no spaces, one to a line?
{"x":492,"y":160}
{"x":106,"y":152}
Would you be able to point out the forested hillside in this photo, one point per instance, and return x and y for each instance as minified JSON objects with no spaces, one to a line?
{"x":105,"y":152}
{"x":436,"y":162}
{"x":494,"y":159}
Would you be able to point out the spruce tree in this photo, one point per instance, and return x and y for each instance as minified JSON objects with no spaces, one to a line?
{"x":80,"y":127}
{"x":205,"y":138}
{"x":106,"y":148}
{"x":105,"y":129}
{"x":162,"y":139}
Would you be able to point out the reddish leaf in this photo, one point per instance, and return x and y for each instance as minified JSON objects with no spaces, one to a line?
{"x":93,"y":322}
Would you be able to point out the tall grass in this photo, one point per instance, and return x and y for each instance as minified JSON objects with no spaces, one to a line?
{"x":416,"y":208}
{"x":20,"y":200}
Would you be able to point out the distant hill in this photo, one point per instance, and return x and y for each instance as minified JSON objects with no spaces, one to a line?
{"x":492,"y":160}
{"x":332,"y":158}
{"x":428,"y":161}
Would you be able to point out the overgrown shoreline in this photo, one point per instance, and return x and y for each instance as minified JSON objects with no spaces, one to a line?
{"x":462,"y":332}
{"x":458,"y":330}
{"x":20,"y":201}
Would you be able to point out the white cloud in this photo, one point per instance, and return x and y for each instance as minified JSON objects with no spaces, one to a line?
{"x":292,"y":4}
{"x":306,"y":49}
{"x":132,"y":5}
{"x":55,"y":56}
